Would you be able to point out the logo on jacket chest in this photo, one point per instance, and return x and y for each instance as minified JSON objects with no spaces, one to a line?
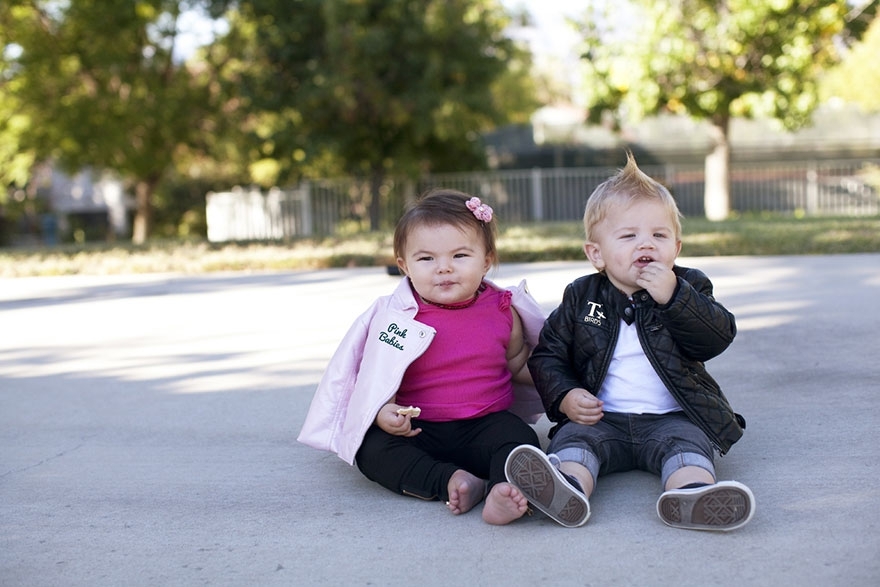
{"x":391,"y":334}
{"x":595,"y":314}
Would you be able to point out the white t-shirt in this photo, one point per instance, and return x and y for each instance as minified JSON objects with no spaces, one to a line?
{"x":631,"y":385}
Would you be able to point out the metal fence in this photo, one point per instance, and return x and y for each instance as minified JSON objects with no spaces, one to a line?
{"x":321,"y":208}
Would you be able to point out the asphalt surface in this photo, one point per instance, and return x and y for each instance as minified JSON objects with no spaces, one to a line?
{"x":148,"y":426}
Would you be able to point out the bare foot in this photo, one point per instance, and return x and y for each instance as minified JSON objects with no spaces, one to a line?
{"x":504,"y":504}
{"x":465,"y":491}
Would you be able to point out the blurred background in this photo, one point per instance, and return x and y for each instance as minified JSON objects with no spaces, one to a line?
{"x":275,"y":120}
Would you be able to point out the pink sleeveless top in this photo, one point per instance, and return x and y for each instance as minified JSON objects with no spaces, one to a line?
{"x":464,"y":373}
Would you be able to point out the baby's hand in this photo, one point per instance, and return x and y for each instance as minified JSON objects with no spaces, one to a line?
{"x":399,"y":424}
{"x":581,"y":406}
{"x":659,"y":280}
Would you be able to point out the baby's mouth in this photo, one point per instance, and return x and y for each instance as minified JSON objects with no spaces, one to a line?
{"x":644,"y":260}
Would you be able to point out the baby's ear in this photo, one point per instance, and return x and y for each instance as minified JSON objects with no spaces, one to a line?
{"x":594,"y":254}
{"x":487,"y":264}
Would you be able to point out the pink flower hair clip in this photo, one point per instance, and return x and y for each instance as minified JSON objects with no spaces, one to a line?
{"x":480,"y":210}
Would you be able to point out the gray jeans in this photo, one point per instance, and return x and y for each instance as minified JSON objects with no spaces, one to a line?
{"x":658,"y":443}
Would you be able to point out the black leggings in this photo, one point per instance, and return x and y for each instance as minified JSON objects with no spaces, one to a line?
{"x":421,"y":466}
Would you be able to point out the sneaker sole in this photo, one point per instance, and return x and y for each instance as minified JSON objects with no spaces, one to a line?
{"x":531,"y":472}
{"x":725,"y":506}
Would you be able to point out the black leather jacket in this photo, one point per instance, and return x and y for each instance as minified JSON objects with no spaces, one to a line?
{"x":578,"y":338}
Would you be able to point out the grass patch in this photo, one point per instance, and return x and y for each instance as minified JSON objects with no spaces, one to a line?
{"x":765,"y":235}
{"x":781,"y":236}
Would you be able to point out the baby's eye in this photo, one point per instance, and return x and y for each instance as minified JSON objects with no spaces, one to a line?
{"x":660,"y":235}
{"x":425,"y":258}
{"x":460,"y":255}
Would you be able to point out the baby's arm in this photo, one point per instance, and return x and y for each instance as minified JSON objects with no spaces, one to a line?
{"x":389,"y":420}
{"x":700,"y":325}
{"x":518,"y":352}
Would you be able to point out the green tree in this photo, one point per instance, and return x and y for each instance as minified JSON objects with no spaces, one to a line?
{"x":714,"y":60}
{"x":98,"y":84}
{"x":261,"y":128}
{"x":381,"y":86}
{"x":857,"y":78}
{"x":15,"y":161}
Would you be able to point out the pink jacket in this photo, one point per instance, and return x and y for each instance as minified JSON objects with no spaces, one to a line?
{"x":368,"y":366}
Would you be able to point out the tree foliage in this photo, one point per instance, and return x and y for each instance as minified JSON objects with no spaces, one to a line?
{"x":381,"y":86}
{"x":857,"y":79}
{"x":293,"y":88}
{"x":716,"y":59}
{"x":98,"y":85}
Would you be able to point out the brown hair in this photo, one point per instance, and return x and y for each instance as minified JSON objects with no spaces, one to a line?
{"x":629,"y":185}
{"x":444,"y":206}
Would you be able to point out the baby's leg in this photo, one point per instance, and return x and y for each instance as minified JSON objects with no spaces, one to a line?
{"x":405,"y":466}
{"x":504,"y":504}
{"x":465,"y":491}
{"x":580,"y":473}
{"x":688,"y":475}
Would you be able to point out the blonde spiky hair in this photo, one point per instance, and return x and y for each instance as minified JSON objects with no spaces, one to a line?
{"x":629,"y":185}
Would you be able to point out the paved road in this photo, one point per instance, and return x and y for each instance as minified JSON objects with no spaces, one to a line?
{"x":148,"y":425}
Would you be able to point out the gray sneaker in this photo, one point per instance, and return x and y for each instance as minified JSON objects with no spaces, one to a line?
{"x":546,"y":487}
{"x":725,"y":506}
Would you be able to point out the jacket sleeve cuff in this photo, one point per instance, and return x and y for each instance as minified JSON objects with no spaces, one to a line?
{"x":678,"y":283}
{"x":554,"y":414}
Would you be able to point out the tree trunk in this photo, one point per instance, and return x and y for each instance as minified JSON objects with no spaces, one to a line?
{"x":716,"y":198}
{"x":143,"y":216}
